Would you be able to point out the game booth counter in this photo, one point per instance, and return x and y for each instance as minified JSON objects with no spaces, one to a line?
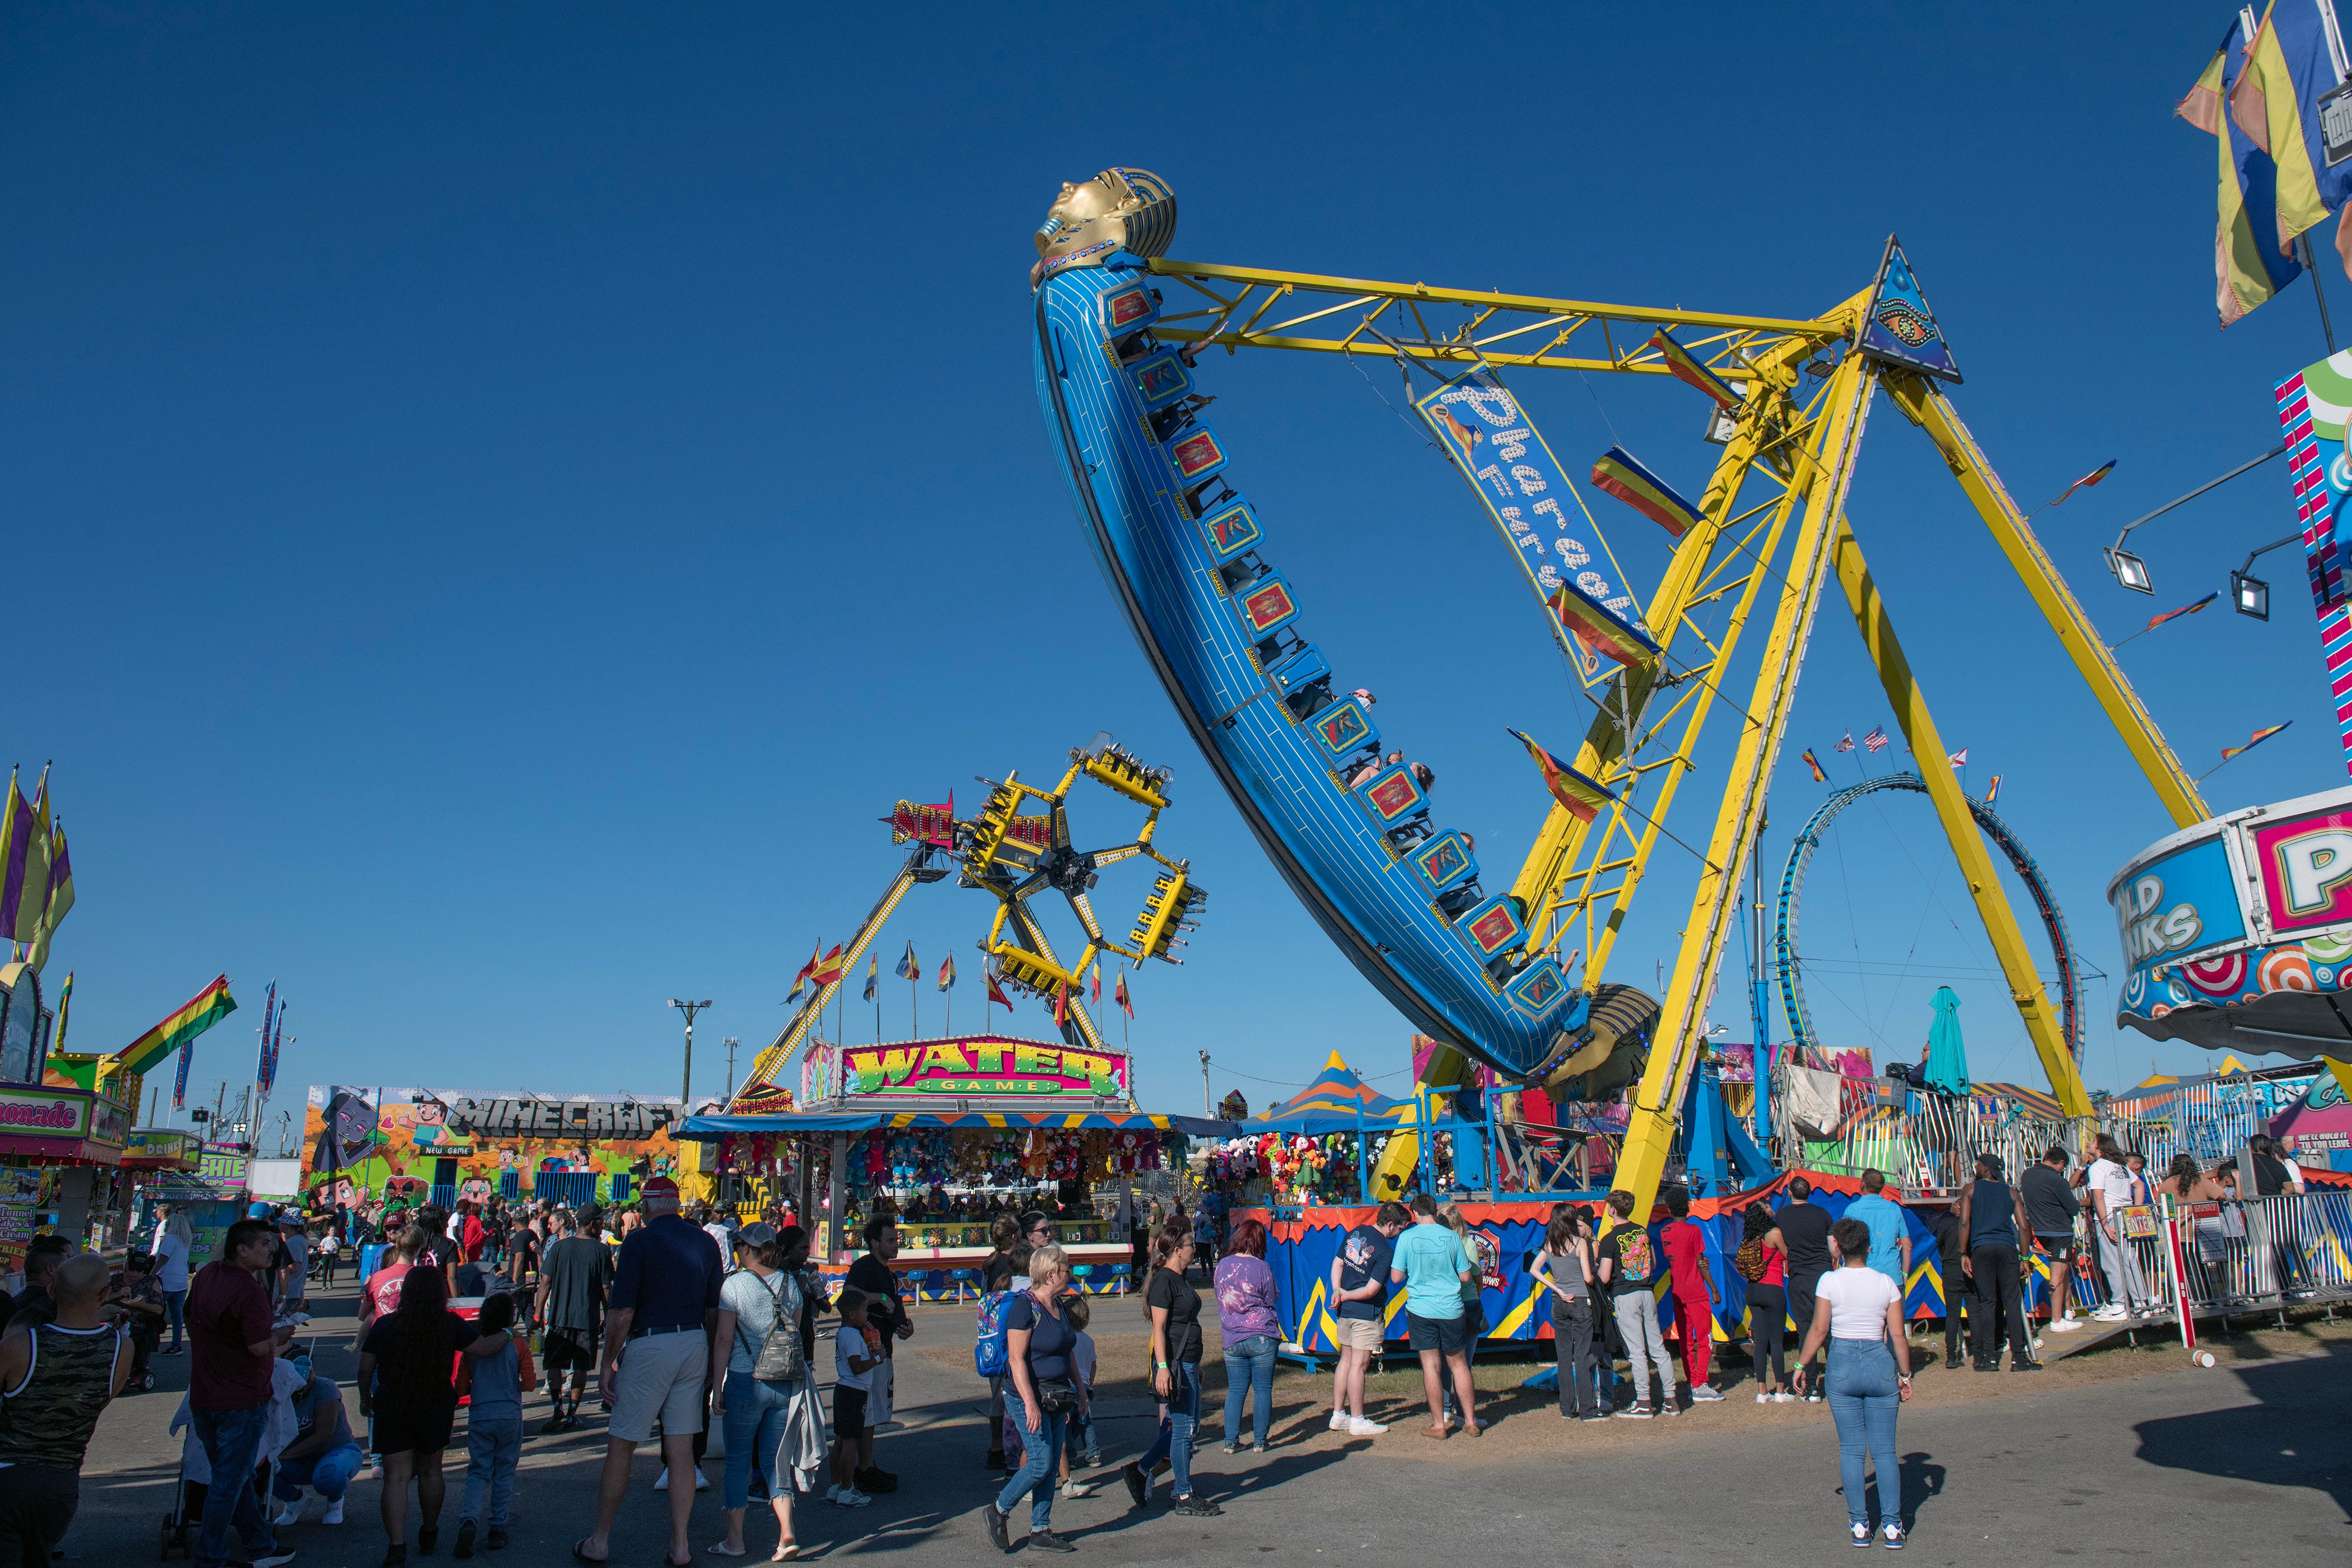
{"x":439,"y":1145}
{"x":941,"y":1135}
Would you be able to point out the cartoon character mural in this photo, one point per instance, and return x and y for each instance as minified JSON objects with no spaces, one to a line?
{"x":411,"y":1140}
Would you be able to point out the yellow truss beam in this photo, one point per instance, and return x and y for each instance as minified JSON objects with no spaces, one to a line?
{"x":1679,"y":1035}
{"x":1932,"y":412}
{"x":1910,"y":704}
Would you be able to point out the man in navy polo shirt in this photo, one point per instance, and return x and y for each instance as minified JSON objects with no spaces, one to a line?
{"x":658,"y":1318}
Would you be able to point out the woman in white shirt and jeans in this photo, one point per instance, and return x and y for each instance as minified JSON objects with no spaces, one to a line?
{"x":1860,"y":1312}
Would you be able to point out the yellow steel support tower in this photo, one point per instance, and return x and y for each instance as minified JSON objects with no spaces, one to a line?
{"x":1798,"y":444}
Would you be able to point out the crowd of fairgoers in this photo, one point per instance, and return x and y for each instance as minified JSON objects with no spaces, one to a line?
{"x":679,"y":1320}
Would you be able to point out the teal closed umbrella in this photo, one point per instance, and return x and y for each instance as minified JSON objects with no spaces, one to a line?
{"x":1948,"y":1055}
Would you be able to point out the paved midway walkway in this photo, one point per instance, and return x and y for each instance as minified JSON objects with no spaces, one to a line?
{"x":2253,"y":1459}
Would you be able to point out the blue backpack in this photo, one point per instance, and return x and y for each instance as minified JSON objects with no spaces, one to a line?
{"x":988,"y":1351}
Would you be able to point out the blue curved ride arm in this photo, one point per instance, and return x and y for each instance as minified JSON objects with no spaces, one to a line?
{"x":1185,"y":559}
{"x":1792,"y":883}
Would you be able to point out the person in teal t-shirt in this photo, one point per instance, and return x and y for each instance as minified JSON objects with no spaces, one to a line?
{"x":1433,"y":1265}
{"x":1890,"y":1229}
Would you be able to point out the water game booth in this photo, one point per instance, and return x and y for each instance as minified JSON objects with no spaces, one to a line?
{"x":943,"y":1134}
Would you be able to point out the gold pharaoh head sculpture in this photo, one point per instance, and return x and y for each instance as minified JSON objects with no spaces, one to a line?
{"x":1129,"y":209}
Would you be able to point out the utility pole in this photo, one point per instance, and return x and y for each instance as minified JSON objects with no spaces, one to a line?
{"x":685,"y":1089}
{"x":1206,"y":1109}
{"x":730,"y":1043}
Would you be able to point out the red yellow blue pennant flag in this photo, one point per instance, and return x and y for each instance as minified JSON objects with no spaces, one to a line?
{"x":873,"y":977}
{"x":1683,"y":367}
{"x":907,"y":968}
{"x":947,"y":972}
{"x":1579,"y":797}
{"x":2088,"y":480}
{"x":830,"y":967}
{"x":2184,"y":610}
{"x":1118,"y":995}
{"x":1992,"y":790}
{"x":1813,"y":762}
{"x":1096,"y":997}
{"x":1622,"y":475}
{"x":807,"y":973}
{"x":2258,"y":738}
{"x":1062,"y":1004}
{"x":1593,"y":625}
{"x":996,"y":993}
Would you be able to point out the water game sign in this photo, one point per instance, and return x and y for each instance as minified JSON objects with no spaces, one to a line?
{"x":1524,"y":488}
{"x":981,"y":1066}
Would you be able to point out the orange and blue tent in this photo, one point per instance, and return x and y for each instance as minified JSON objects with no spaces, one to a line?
{"x":1337,"y":1101}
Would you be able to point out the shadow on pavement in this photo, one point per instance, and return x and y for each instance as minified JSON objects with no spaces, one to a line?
{"x":2294,"y":1434}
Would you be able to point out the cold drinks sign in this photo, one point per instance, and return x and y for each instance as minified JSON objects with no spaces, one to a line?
{"x":983,"y":1066}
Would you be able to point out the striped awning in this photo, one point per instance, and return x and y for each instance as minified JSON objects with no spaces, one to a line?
{"x":1337,"y":1101}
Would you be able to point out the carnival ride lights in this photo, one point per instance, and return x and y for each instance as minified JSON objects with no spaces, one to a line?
{"x":1185,"y":554}
{"x":1016,"y":855}
{"x":1787,"y":964}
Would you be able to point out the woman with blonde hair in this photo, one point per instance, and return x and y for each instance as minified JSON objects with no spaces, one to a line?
{"x":1041,"y":1394}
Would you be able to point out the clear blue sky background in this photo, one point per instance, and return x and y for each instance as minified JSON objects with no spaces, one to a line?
{"x":503,"y":499}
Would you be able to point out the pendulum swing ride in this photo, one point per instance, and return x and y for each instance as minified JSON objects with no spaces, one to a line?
{"x":1120,"y":327}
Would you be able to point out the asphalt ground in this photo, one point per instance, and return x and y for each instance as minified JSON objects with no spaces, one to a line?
{"x":2120,"y":1452}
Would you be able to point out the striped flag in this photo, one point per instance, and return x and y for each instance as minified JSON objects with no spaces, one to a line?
{"x":1580,"y":796}
{"x":1599,"y":627}
{"x":180,"y":1027}
{"x":1621,"y":475}
{"x":807,"y":974}
{"x":829,"y":968}
{"x":2184,"y":610}
{"x":996,"y":994}
{"x":1118,"y":995}
{"x":1813,"y":762}
{"x":1876,"y":740}
{"x":909,"y":969}
{"x":1992,"y":790}
{"x":1684,"y":368}
{"x":2248,"y":266}
{"x":1095,"y":995}
{"x":2258,"y":738}
{"x":1061,"y":1006}
{"x":873,"y":977}
{"x":947,"y":972}
{"x":2088,"y":480}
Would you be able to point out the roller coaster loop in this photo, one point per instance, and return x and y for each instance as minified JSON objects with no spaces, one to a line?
{"x":1792,"y":883}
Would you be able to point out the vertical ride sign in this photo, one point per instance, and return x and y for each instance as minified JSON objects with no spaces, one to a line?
{"x":1526,"y":490}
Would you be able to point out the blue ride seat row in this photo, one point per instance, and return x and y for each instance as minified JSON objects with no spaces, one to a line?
{"x":1182,"y":552}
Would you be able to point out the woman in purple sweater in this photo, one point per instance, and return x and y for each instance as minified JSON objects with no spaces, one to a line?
{"x":1251,"y":1327}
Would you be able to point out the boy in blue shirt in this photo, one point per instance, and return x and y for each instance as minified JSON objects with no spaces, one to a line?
{"x":1433,"y":1266}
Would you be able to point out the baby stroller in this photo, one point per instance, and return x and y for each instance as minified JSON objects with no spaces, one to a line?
{"x":185,"y":1517}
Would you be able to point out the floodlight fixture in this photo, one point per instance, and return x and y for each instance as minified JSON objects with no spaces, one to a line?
{"x":2130,"y":571}
{"x":2250,"y":595}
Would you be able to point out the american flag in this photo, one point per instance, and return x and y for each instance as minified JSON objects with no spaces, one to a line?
{"x":1876,"y":740}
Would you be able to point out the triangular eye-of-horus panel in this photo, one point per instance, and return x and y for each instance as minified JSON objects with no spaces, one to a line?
{"x":1899,"y":328}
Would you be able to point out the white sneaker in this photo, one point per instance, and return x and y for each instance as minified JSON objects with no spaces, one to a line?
{"x":662,"y":1483}
{"x":701,"y":1481}
{"x":1763,"y":1399}
{"x":852,"y":1498}
{"x":1705,"y":1393}
{"x":1074,"y":1488}
{"x":1339,"y":1419}
{"x":334,"y":1514}
{"x":2062,"y":1326}
{"x":290,"y":1514}
{"x":1858,"y":1534}
{"x":1364,"y":1427}
{"x":1894,"y":1533}
{"x":1784,"y":1397}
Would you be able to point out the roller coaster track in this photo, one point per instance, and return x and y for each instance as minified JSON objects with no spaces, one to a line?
{"x":1793,"y":885}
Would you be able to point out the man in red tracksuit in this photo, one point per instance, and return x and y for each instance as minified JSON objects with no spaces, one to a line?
{"x":1685,"y":1249}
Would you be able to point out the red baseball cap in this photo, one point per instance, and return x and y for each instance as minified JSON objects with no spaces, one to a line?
{"x":659,"y":1187}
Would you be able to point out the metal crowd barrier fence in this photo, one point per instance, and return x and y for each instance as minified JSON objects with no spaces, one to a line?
{"x":2260,"y":1254}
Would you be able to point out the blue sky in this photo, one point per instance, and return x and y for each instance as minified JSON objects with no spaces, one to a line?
{"x":503,"y":500}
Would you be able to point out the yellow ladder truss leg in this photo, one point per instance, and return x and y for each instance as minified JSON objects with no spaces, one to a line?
{"x":1928,"y":408}
{"x":2041,"y":1024}
{"x":1681,"y":1028}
